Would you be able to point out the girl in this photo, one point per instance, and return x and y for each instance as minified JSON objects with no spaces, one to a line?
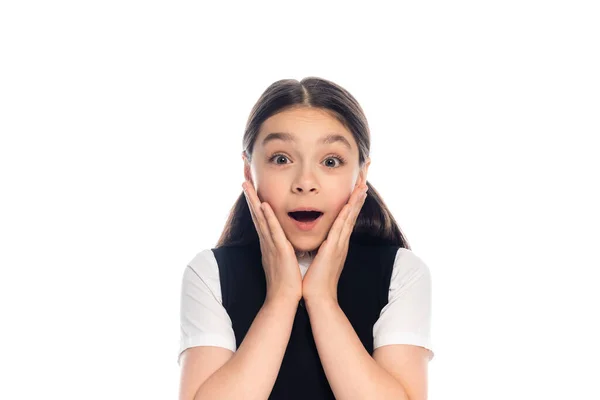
{"x":312,"y":291}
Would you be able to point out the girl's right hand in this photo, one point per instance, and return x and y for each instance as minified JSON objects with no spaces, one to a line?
{"x":279,"y":260}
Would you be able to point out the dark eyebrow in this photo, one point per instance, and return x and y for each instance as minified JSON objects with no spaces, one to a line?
{"x":287,"y":137}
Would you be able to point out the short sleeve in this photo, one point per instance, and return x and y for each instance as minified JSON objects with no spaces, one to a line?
{"x":203,"y":319}
{"x":406,"y":319}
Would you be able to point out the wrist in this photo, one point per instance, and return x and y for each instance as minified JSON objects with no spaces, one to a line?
{"x":282,"y":298}
{"x":320,"y":300}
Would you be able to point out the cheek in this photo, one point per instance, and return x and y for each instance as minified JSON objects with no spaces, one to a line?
{"x":271,"y":195}
{"x":339,"y":206}
{"x":339,"y":202}
{"x":338,"y":195}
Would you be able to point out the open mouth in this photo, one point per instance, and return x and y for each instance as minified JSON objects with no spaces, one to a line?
{"x":305,"y":216}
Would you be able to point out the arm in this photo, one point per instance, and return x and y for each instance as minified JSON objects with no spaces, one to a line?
{"x":251,"y":372}
{"x":351,"y":371}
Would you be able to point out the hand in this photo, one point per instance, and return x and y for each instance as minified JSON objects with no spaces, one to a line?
{"x":282,"y":271}
{"x":321,"y":278}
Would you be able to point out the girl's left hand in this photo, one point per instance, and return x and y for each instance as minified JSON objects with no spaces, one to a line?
{"x":321,"y":278}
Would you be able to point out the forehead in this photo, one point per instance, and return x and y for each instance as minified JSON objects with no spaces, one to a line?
{"x":305,"y":125}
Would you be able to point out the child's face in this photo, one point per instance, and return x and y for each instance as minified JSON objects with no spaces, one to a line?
{"x":306,"y":173}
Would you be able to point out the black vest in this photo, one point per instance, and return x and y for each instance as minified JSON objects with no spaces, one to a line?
{"x":362,"y":293}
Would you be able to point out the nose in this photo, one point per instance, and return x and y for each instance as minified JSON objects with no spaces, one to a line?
{"x":305,"y":185}
{"x":305,"y":182}
{"x":308,"y":189}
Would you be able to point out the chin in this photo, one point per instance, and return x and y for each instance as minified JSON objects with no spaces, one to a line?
{"x":304,"y":246}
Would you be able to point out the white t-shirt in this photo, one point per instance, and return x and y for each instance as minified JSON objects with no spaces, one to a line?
{"x":406,"y":319}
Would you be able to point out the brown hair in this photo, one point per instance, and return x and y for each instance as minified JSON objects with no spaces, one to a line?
{"x":375,"y":223}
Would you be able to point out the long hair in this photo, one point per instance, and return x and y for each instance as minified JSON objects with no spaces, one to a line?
{"x":375,"y":223}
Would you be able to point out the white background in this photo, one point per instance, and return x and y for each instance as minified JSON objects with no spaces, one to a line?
{"x":121,"y":125}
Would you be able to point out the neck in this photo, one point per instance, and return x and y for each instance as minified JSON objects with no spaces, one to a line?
{"x":302,"y":254}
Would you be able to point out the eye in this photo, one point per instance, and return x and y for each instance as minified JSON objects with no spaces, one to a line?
{"x":278,"y":156}
{"x":340,"y":159}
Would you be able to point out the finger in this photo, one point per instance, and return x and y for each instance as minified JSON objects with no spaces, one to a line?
{"x":350,"y":221}
{"x":257,"y":214}
{"x":263,"y":227}
{"x":252,"y":212}
{"x":357,"y":206}
{"x":277,"y":233}
{"x":338,"y":224}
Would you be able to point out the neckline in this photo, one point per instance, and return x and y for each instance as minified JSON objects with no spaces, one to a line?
{"x":306,"y":255}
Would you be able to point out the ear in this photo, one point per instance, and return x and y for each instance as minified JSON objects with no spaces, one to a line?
{"x":247,"y":172}
{"x":362,"y":174}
